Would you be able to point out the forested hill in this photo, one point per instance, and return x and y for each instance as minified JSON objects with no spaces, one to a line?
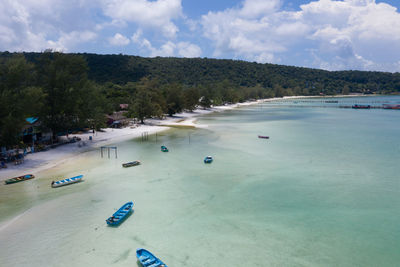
{"x":121,"y":69}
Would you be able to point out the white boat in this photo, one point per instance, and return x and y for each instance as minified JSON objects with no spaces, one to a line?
{"x":71,"y":180}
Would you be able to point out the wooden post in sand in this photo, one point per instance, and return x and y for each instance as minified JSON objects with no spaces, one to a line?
{"x":145,"y":136}
{"x":108,"y":150}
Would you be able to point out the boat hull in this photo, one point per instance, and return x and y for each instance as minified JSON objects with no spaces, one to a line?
{"x":146,"y":258}
{"x":19,"y":179}
{"x":208,"y":159}
{"x":263,"y":137}
{"x":120,"y":215}
{"x":131,"y":164}
{"x":361,"y":106}
{"x":164,"y":149}
{"x":390,"y":106}
{"x":67,"y":181}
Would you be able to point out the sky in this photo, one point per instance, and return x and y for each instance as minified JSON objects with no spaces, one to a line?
{"x":324,"y":34}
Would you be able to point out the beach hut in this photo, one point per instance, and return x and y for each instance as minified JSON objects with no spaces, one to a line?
{"x":117,"y":119}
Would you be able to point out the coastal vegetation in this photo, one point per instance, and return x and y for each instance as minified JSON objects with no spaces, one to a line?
{"x":75,"y":91}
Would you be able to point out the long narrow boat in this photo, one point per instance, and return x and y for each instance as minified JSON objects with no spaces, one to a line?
{"x":71,"y":180}
{"x":147,"y":259}
{"x":391,"y":106}
{"x":120,"y":214}
{"x":263,"y":136}
{"x":164,"y":149}
{"x":361,"y":106}
{"x":19,"y":179}
{"x":130,"y":164}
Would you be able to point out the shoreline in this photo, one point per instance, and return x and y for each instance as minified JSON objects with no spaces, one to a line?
{"x":45,"y":160}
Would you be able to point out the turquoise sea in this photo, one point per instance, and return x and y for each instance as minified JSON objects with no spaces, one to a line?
{"x":324,"y":190}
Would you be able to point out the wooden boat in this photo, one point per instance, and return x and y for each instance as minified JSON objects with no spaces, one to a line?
{"x":164,"y":149}
{"x":147,"y":259}
{"x":361,"y":106}
{"x":130,"y":164}
{"x":120,"y":214}
{"x":390,"y":106}
{"x":72,"y":180}
{"x":263,"y":137}
{"x":208,"y":159}
{"x":19,"y":179}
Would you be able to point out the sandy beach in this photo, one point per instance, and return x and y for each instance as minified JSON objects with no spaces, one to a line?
{"x":45,"y":160}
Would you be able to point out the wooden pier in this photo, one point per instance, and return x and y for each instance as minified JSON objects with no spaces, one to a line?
{"x":329,"y":103}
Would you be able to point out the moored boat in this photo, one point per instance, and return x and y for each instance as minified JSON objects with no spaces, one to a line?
{"x":19,"y":179}
{"x":147,"y":259}
{"x":164,"y":149}
{"x":263,"y":136}
{"x":67,"y":181}
{"x":120,"y":214}
{"x":391,"y":106}
{"x":208,"y":159}
{"x":130,"y":164}
{"x":361,"y":106}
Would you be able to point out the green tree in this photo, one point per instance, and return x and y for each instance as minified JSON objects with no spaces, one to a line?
{"x":174,"y":99}
{"x":146,"y":102}
{"x":191,"y":98}
{"x":18,"y":98}
{"x":65,"y":84}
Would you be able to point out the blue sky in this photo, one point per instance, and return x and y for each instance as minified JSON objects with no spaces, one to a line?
{"x":327,"y":34}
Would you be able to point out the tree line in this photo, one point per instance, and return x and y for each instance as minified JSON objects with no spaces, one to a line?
{"x":72,"y":91}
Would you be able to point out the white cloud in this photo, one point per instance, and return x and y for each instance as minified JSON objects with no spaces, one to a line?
{"x":255,"y":31}
{"x":168,"y":49}
{"x":254,"y":8}
{"x":345,"y":34}
{"x":30,"y":25}
{"x":186,"y":49}
{"x":119,"y":40}
{"x":155,"y":14}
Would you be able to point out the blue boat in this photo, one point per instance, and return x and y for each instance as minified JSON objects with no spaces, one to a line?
{"x":147,"y":259}
{"x":120,"y":214}
{"x":208,"y":159}
{"x":71,"y":180}
{"x":164,"y":149}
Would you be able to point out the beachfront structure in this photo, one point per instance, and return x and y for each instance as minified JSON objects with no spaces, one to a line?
{"x":117,"y":119}
{"x":33,"y":132}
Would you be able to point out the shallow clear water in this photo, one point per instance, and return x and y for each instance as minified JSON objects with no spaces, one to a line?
{"x":324,"y":190}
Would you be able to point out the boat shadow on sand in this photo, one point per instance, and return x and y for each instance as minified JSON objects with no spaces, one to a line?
{"x":123,"y":220}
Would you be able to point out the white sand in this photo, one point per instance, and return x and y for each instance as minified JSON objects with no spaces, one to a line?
{"x":44,"y":160}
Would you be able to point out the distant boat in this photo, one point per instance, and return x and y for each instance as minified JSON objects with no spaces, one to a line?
{"x":164,"y":149}
{"x":331,"y":101}
{"x":391,"y":106}
{"x":19,"y":179}
{"x":361,"y":106}
{"x":120,"y":214}
{"x":130,"y":164}
{"x":67,"y":181}
{"x":147,"y":259}
{"x":263,"y":136}
{"x":208,"y":159}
